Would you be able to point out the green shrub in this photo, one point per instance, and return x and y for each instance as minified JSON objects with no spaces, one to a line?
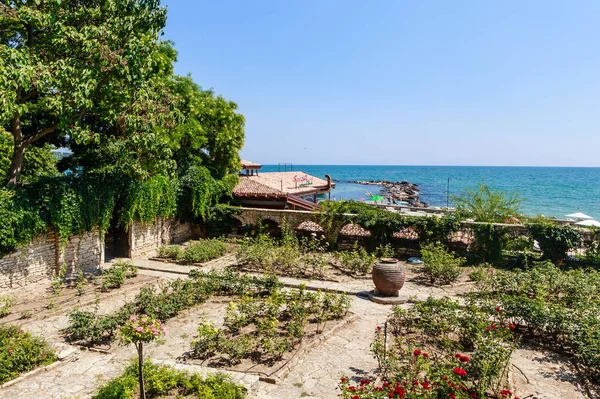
{"x":115,"y":276}
{"x":358,"y":260}
{"x":173,"y":252}
{"x":165,"y":380}
{"x":555,"y":240}
{"x":21,"y":352}
{"x":203,"y":251}
{"x":480,"y":272}
{"x":6,"y":304}
{"x":440,"y":266}
{"x":385,"y":251}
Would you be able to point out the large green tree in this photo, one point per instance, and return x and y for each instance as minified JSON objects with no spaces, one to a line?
{"x":77,"y":69}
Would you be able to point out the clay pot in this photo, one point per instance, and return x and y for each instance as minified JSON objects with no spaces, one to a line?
{"x":389,"y":276}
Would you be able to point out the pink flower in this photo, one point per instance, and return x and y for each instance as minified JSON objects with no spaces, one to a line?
{"x":21,"y":331}
{"x":140,"y":329}
{"x":133,"y":319}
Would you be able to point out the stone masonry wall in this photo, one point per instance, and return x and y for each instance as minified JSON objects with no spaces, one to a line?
{"x":83,"y":252}
{"x":40,"y":259}
{"x":35,"y":262}
{"x":145,"y":238}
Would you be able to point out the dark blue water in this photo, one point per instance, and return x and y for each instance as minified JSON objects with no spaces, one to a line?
{"x":551,"y":191}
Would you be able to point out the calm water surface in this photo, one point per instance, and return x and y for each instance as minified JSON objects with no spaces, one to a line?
{"x":551,"y":191}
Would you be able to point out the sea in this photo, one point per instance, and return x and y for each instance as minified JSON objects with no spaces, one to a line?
{"x":548,"y":191}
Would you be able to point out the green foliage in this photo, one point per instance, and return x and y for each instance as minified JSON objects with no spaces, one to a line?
{"x":486,"y":204}
{"x":333,"y":217}
{"x":383,"y":224}
{"x":166,"y":380}
{"x":220,"y":220}
{"x":480,"y":272}
{"x":266,"y":328}
{"x":114,"y":277}
{"x":439,"y":265}
{"x":39,"y":161}
{"x":6,"y":304}
{"x":423,"y":344}
{"x":555,"y":240}
{"x":165,"y":302}
{"x":172,"y":252}
{"x":555,"y":308}
{"x":203,"y":251}
{"x":70,"y":65}
{"x":489,"y":241}
{"x":385,"y":251}
{"x":21,"y":352}
{"x":358,"y":260}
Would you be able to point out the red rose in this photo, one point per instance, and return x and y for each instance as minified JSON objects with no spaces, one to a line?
{"x":355,"y":397}
{"x":425,"y":355}
{"x":352,"y":388}
{"x":498,"y":309}
{"x":452,"y":396}
{"x":416,"y":352}
{"x":512,"y":326}
{"x":460,"y":371}
{"x":378,"y":328}
{"x":344,"y":379}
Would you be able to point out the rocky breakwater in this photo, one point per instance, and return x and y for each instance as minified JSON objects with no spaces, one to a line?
{"x":397,"y":191}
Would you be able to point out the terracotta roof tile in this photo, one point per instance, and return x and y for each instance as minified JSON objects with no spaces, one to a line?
{"x":251,"y":188}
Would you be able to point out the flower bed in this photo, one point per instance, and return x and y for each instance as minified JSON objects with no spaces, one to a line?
{"x":557,"y":309}
{"x":165,"y":381}
{"x":263,"y":329}
{"x":21,"y":352}
{"x":439,"y":349}
{"x":165,"y":302}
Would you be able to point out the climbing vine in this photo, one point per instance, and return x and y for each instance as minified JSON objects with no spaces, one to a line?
{"x":489,"y":242}
{"x":555,"y":240}
{"x":71,"y":205}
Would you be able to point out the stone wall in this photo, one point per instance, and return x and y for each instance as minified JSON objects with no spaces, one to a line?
{"x":145,"y":238}
{"x":40,"y":259}
{"x":83,"y":252}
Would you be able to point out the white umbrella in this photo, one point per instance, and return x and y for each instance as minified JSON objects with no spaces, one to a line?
{"x":589,"y":222}
{"x":579,"y":215}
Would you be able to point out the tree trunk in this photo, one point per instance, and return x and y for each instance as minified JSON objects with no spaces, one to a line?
{"x":141,"y":369}
{"x":18,"y":150}
{"x":16,"y":164}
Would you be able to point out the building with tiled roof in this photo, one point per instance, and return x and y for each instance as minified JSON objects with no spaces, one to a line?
{"x":279,"y":190}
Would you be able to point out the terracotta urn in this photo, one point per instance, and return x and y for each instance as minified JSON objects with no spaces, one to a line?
{"x":389,"y":276}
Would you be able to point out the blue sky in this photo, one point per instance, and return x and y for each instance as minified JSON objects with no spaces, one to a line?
{"x":401,"y":82}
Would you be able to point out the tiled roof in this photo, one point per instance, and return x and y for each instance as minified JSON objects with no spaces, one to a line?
{"x":354,"y":230}
{"x":308,"y":225}
{"x":250,"y":188}
{"x":297,"y":183}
